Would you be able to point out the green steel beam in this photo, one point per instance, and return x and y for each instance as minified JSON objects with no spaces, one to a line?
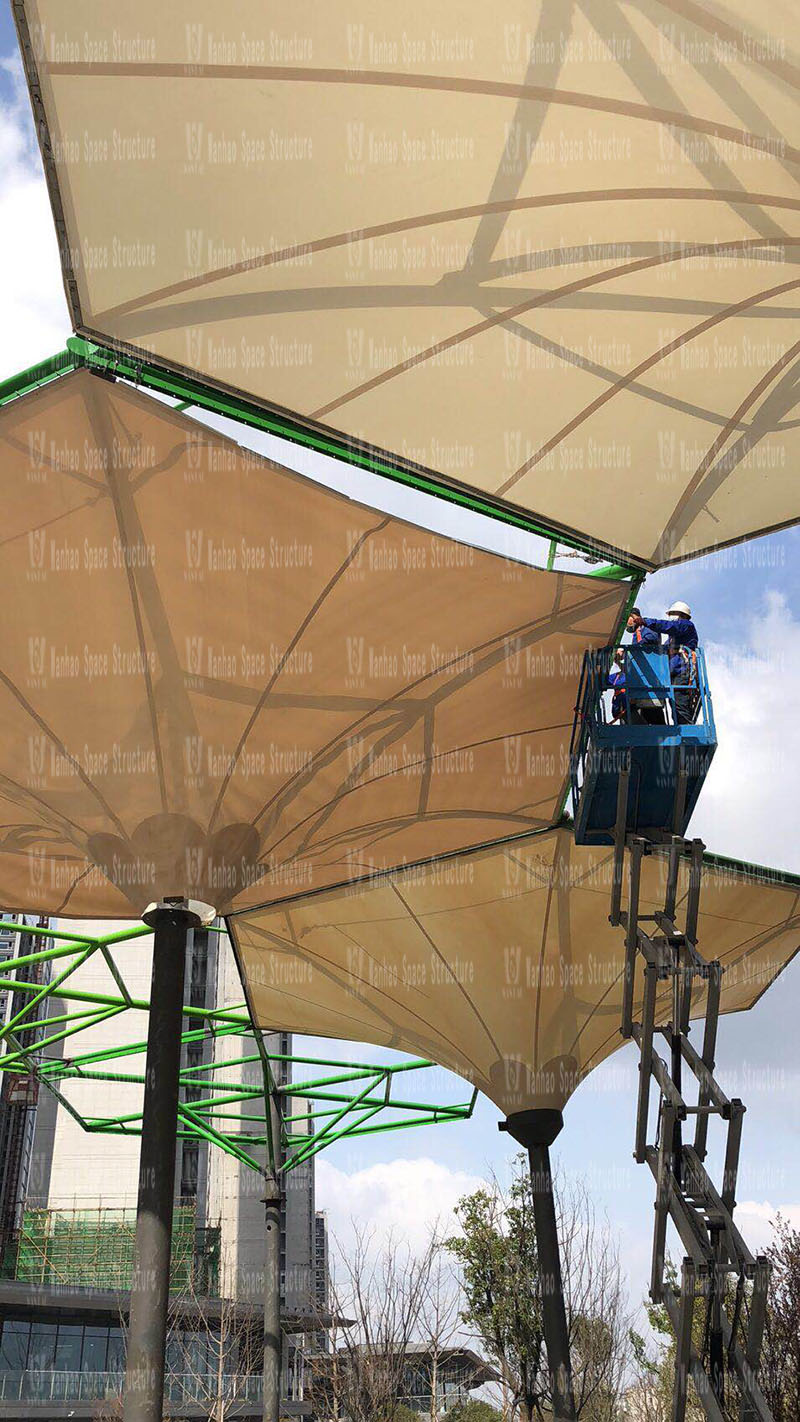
{"x":189,"y":391}
{"x":13,"y":927}
{"x":384,"y":1127}
{"x":391,"y":1102}
{"x":49,"y":990}
{"x":207,"y":1132}
{"x":135,"y":1049}
{"x":45,"y":955}
{"x":615,"y":571}
{"x":76,"y":1017}
{"x":37,"y":375}
{"x":411,"y":1065}
{"x":137,"y":1003}
{"x":328,"y":1136}
{"x":116,"y":974}
{"x":9,"y":1060}
{"x":326,"y":1133}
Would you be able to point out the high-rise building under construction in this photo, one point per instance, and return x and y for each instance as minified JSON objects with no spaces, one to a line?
{"x":68,"y":1212}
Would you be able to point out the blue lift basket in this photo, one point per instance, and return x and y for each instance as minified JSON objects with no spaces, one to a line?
{"x":631,"y":776}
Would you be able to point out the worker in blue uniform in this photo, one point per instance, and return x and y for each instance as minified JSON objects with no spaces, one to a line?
{"x":682,"y":641}
{"x":678,"y":626}
{"x":644,"y":713}
{"x":642,"y":634}
{"x":616,"y":680}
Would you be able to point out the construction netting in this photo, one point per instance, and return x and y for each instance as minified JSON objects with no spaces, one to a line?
{"x":94,"y":1249}
{"x":546,"y":250}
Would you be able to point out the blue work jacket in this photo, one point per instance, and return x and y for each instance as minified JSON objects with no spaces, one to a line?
{"x":645,"y":637}
{"x":681,"y":629}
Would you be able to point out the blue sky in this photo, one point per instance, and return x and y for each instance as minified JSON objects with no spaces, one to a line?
{"x":8,"y":38}
{"x":746,"y":603}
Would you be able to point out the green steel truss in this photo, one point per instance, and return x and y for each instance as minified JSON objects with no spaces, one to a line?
{"x":189,"y":391}
{"x":351,"y":1099}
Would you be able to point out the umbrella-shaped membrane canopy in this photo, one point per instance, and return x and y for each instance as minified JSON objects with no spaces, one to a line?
{"x":221,"y":680}
{"x":546,"y":249}
{"x":500,"y":963}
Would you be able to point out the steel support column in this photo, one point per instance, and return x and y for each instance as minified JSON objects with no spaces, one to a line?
{"x":273,"y":1351}
{"x":171,"y":921}
{"x":536,"y":1131}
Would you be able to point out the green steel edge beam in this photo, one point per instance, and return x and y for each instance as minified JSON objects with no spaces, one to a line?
{"x":37,"y":375}
{"x":190,"y":391}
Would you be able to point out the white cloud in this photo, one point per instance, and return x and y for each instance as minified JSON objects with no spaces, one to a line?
{"x":755,"y":1219}
{"x":401,"y":1197}
{"x":33,"y":309}
{"x":748,"y":805}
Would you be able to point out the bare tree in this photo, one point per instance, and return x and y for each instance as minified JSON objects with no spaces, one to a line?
{"x":780,"y":1369}
{"x":440,"y":1317}
{"x":107,"y":1409}
{"x":212,"y":1352}
{"x":598,"y":1312}
{"x":384,"y":1291}
{"x":646,"y":1398}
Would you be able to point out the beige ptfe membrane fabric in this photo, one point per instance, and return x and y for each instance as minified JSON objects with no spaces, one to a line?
{"x":500,"y":963}
{"x":222,"y":680}
{"x":545,"y":249}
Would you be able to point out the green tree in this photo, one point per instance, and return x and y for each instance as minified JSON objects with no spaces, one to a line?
{"x":780,"y":1367}
{"x":476,"y":1410}
{"x":500,"y":1279}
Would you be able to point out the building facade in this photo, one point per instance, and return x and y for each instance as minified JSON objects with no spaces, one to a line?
{"x":68,"y":1206}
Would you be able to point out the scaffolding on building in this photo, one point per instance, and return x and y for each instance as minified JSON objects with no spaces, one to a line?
{"x":94,"y":1249}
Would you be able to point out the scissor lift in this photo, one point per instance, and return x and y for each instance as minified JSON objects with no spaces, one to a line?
{"x":661,"y":765}
{"x":718,"y":1310}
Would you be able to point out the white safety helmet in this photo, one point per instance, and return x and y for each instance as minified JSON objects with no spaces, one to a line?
{"x":679,"y":609}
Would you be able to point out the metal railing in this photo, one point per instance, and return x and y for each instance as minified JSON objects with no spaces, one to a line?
{"x":594,"y":697}
{"x":44,"y":1385}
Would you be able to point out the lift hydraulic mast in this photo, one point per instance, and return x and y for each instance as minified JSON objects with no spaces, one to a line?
{"x":718,"y":1309}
